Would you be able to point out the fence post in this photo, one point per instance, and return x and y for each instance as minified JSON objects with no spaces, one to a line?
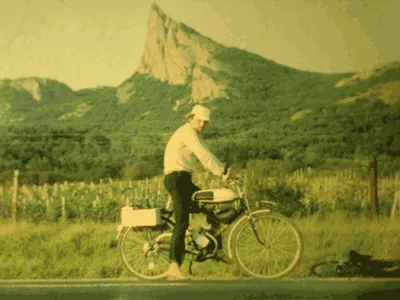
{"x":373,"y":181}
{"x":63,"y":213}
{"x":48,"y":206}
{"x":396,"y":204}
{"x":14,"y":196}
{"x":158,"y":191}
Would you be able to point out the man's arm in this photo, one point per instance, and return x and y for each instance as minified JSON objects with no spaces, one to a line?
{"x":208,"y":159}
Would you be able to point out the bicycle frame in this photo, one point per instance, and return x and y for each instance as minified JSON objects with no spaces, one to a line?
{"x":238,"y":187}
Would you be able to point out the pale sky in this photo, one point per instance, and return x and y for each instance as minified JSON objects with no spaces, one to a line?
{"x":90,"y":43}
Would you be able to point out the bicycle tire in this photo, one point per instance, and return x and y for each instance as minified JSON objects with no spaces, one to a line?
{"x":145,"y":251}
{"x":287,"y":234}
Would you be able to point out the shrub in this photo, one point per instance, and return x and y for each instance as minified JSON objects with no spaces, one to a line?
{"x":141,"y":170}
{"x":35,"y":212}
{"x":288,"y":198}
{"x":265,"y":168}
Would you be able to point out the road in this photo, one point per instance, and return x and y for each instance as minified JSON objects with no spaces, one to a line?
{"x":362,"y":289}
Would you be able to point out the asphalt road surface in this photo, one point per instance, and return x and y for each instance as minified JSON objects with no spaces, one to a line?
{"x":362,"y":289}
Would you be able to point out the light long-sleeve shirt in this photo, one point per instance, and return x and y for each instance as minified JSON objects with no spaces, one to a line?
{"x":183,"y":150}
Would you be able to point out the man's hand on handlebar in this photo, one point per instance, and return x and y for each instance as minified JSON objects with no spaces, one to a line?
{"x":228,"y":175}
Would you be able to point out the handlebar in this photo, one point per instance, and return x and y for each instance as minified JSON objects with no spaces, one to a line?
{"x":227,"y":178}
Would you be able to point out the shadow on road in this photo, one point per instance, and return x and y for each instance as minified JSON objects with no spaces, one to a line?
{"x":358,"y":265}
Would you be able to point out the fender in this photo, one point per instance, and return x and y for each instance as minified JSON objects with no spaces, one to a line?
{"x":238,"y":222}
{"x":120,"y":229}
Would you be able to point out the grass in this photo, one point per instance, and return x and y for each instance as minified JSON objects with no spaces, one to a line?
{"x":81,"y":251}
{"x":58,"y":251}
{"x":336,"y":234}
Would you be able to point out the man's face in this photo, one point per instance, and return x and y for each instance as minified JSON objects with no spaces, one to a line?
{"x":198,"y":124}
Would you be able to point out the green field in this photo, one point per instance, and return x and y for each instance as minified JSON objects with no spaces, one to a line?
{"x":63,"y":250}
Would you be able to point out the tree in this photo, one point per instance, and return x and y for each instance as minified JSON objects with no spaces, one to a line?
{"x":375,"y":137}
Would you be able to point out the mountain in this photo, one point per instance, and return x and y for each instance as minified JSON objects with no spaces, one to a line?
{"x":260,"y":108}
{"x":180,"y":55}
{"x":31,"y":99}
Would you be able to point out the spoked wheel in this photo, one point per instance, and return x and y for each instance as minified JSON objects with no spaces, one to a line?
{"x":145,"y":251}
{"x":277,"y":250}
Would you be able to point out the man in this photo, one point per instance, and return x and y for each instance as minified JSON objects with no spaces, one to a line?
{"x":183,"y":150}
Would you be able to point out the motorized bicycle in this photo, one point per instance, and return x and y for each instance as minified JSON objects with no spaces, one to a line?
{"x":266,"y":244}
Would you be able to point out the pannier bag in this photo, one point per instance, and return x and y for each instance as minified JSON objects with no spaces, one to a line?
{"x":140,"y":217}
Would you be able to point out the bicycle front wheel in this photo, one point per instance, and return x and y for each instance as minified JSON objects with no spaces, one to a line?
{"x":271,"y":249}
{"x":145,"y":251}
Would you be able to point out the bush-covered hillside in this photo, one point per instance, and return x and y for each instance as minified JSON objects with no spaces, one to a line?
{"x":305,"y":119}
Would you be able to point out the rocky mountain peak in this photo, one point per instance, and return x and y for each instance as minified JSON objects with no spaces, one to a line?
{"x":178,"y":54}
{"x":156,"y":11}
{"x":31,"y":85}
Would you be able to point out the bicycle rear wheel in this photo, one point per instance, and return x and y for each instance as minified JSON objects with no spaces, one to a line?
{"x":145,"y":251}
{"x":277,"y":251}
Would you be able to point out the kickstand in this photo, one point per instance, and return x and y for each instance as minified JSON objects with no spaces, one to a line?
{"x":190,"y":265}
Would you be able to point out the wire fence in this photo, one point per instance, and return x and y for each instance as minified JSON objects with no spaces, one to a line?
{"x":101,"y":201}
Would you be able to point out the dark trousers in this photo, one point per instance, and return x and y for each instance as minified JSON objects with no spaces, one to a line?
{"x":181,"y":188}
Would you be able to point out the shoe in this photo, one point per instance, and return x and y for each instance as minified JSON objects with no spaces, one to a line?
{"x":221,"y":256}
{"x":174,"y":272}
